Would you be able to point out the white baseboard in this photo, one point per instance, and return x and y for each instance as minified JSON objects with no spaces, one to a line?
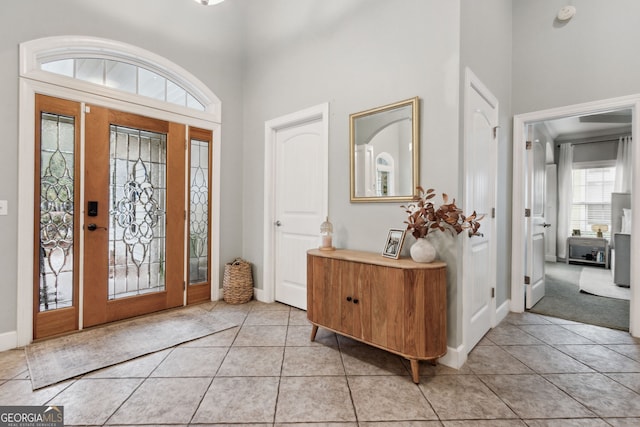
{"x":8,"y":340}
{"x":502,"y":312}
{"x":260,"y":295}
{"x":454,"y":358}
{"x":550,"y":258}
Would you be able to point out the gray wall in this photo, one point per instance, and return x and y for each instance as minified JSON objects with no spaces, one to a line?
{"x":356,"y":55}
{"x":591,"y":57}
{"x":486,"y":49}
{"x":204,"y":41}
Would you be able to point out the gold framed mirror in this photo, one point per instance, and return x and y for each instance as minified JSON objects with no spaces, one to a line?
{"x":384,"y":152}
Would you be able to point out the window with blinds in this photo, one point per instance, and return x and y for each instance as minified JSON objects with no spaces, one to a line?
{"x":592,"y":188}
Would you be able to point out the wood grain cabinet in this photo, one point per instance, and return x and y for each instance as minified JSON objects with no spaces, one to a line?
{"x":395,"y":305}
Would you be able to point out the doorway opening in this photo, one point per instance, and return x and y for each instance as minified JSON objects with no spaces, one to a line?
{"x":588,"y":216}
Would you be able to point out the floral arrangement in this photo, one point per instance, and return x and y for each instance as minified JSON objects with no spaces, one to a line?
{"x":423,"y":217}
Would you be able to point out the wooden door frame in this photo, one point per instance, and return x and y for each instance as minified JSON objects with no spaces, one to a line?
{"x":520,"y":122}
{"x":26,"y":182}
{"x":318,"y":112}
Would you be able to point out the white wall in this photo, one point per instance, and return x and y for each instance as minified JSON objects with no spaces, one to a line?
{"x":486,"y":49}
{"x":356,"y":55}
{"x":204,"y":41}
{"x":591,"y":57}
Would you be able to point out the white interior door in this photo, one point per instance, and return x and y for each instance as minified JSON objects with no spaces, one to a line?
{"x":300,"y":208}
{"x":535,"y":222}
{"x":481,"y":120}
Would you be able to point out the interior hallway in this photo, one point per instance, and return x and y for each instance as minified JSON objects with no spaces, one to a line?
{"x":531,"y":370}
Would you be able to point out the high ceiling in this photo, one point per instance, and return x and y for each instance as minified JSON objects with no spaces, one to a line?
{"x":609,"y":123}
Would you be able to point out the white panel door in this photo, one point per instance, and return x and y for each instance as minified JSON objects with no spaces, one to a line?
{"x":481,"y":120}
{"x":535,"y":224}
{"x":299,"y":206}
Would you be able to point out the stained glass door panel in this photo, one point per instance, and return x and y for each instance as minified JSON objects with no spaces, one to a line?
{"x":137,"y":201}
{"x":55,"y":245}
{"x":199,"y":288}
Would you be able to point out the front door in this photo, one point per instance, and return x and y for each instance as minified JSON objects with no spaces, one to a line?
{"x":481,"y":121}
{"x":535,"y":221}
{"x":132,"y":214}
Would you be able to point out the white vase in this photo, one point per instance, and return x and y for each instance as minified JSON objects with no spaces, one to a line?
{"x":423,"y":251}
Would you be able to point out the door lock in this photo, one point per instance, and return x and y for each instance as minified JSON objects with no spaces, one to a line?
{"x":278,"y":224}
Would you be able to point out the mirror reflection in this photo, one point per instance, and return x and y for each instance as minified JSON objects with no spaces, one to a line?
{"x":384,"y":152}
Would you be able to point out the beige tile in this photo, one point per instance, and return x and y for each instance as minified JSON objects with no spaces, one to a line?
{"x":298,"y":317}
{"x":526,"y":318}
{"x":630,"y":350}
{"x":252,"y":362}
{"x":312,"y":361}
{"x":267,"y":317}
{"x":317,"y":424}
{"x":93,"y":401}
{"x":485,"y":341}
{"x":507,"y":334}
{"x":428,"y":369}
{"x":367,"y":360}
{"x":401,"y":424}
{"x":191,"y":362}
{"x":19,"y":392}
{"x":219,"y":339}
{"x":531,"y":396}
{"x":546,"y":359}
{"x":140,"y":367}
{"x":600,"y":358}
{"x":629,"y":380}
{"x":388,"y":398}
{"x":484,"y":423}
{"x":263,"y":306}
{"x":602,"y":395}
{"x":259,"y":336}
{"x":162,"y":401}
{"x":558,"y":321}
{"x":623,"y":422}
{"x":309,"y":399}
{"x":300,"y":336}
{"x":239,"y":400}
{"x":602,"y":335}
{"x":578,"y":422}
{"x":456,"y":397}
{"x":12,"y":364}
{"x":494,"y":360}
{"x":555,"y":334}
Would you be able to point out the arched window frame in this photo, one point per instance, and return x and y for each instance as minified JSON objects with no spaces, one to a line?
{"x":34,"y":53}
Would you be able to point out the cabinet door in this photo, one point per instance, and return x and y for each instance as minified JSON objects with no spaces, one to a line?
{"x":322,"y":296}
{"x":384,"y":311}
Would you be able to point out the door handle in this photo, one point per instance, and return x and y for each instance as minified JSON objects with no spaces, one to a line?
{"x":545,"y":225}
{"x":93,"y":227}
{"x":472,"y":234}
{"x":278,"y":224}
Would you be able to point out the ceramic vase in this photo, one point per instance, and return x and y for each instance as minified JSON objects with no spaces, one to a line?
{"x":423,"y":251}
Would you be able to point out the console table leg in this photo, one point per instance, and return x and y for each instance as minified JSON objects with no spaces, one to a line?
{"x":415,"y":371}
{"x":314,"y":330}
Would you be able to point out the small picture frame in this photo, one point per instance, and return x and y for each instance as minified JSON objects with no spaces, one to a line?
{"x":394,"y":242}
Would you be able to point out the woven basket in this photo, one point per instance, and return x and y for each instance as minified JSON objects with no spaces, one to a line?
{"x":237,"y":283}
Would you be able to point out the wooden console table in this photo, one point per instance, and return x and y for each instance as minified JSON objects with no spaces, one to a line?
{"x":396,"y":305}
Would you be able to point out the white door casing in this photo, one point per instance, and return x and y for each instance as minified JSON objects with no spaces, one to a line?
{"x":550,"y":211}
{"x":296,"y":200}
{"x":480,"y":165}
{"x":520,"y":122}
{"x":535,"y":222}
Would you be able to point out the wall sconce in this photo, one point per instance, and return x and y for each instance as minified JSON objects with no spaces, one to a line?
{"x":599,"y":228}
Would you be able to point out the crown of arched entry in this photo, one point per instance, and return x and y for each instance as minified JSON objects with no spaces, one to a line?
{"x":122,"y":221}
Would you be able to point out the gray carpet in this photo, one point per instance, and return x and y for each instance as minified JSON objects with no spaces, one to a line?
{"x":564,"y":300}
{"x":58,"y":359}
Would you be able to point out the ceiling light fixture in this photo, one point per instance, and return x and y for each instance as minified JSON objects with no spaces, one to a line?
{"x":208,"y":2}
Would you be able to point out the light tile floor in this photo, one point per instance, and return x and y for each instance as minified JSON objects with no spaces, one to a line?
{"x":530,"y":370}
